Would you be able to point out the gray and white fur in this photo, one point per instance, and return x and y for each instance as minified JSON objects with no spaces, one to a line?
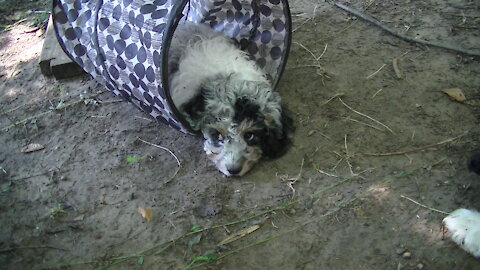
{"x":223,"y":94}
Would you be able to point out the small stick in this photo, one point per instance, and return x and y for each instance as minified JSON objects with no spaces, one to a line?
{"x":396,"y":69}
{"x":373,"y":74}
{"x":305,"y":48}
{"x":376,"y":93}
{"x":143,"y":118}
{"x":424,"y":206}
{"x":171,"y":153}
{"x":310,"y":18}
{"x":333,"y":97}
{"x":171,"y":223}
{"x":327,"y":174}
{"x":35,"y":29}
{"x":363,"y":123}
{"x":376,"y":121}
{"x":345,"y":144}
{"x":417,"y":149}
{"x":163,"y":148}
{"x":410,"y":160}
{"x":347,"y":157}
{"x":323,"y":172}
{"x":304,"y":66}
{"x":314,"y":10}
{"x":302,"y":24}
{"x":111,"y":101}
{"x":404,"y":37}
{"x":324,"y":50}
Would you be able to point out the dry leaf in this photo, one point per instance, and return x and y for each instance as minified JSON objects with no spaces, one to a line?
{"x":239,"y":235}
{"x":455,"y":94}
{"x":32,"y":148}
{"x":147,"y":213}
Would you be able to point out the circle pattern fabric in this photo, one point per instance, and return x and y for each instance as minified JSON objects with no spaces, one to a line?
{"x":120,"y":42}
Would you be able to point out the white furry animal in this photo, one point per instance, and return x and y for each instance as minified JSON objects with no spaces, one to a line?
{"x":223,"y":94}
{"x":464,"y":228}
{"x":463,"y":224}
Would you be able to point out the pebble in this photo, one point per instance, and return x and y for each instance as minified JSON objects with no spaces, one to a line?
{"x":407,"y":255}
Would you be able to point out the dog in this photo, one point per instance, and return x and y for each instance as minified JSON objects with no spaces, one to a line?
{"x":464,"y":224}
{"x":221,"y":92}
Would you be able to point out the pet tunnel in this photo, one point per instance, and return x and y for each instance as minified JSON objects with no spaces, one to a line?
{"x":124,"y":44}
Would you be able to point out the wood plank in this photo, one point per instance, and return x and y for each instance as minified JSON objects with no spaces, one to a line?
{"x":53,"y":60}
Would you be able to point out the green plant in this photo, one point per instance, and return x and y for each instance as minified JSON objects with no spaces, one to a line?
{"x":131,"y":159}
{"x":56,"y":211}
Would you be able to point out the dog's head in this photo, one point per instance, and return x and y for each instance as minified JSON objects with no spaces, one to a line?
{"x":241,"y":121}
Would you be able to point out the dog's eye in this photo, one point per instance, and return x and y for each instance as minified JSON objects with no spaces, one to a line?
{"x":250,"y":138}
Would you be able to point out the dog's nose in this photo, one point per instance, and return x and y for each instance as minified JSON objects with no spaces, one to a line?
{"x":234,"y":170}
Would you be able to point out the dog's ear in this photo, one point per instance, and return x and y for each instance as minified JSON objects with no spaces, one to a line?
{"x":278,"y":138}
{"x":194,"y":110}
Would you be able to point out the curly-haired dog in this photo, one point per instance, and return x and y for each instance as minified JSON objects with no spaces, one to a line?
{"x":223,"y":94}
{"x":464,"y":224}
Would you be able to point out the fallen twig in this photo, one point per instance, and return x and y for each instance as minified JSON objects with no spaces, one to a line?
{"x":304,"y":22}
{"x":323,"y":172}
{"x":169,"y":151}
{"x":143,"y":118}
{"x":417,"y":149}
{"x":363,"y":123}
{"x":164,"y":148}
{"x":376,"y":93}
{"x":333,"y":97}
{"x":308,"y":50}
{"x":324,"y":50}
{"x":239,"y":234}
{"x":373,"y":74}
{"x":35,"y":29}
{"x":364,"y":115}
{"x":402,"y":36}
{"x":424,"y":206}
{"x":307,"y":20}
{"x":347,"y":156}
{"x":398,"y":73}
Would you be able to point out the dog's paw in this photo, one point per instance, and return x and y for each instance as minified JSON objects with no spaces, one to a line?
{"x":464,"y":228}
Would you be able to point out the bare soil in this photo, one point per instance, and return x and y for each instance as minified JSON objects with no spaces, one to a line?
{"x":327,"y":204}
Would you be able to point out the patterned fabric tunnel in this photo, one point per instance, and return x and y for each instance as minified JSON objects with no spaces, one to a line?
{"x":124,"y":44}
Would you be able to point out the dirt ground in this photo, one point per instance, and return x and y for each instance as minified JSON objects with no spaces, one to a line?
{"x":327,"y":204}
